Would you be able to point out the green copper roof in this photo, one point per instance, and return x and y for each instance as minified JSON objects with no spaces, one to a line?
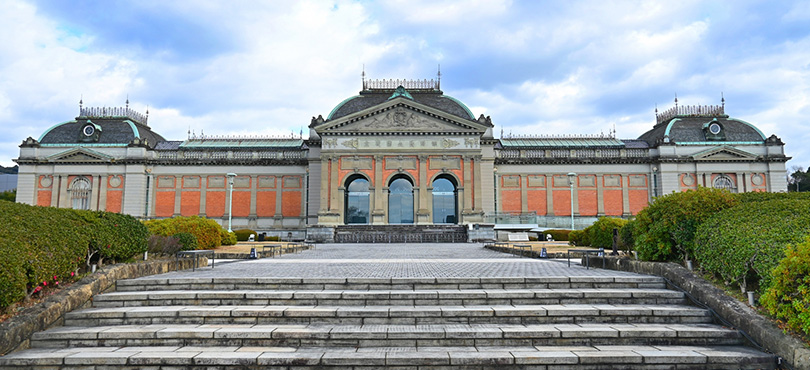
{"x":562,"y":142}
{"x":400,"y":91}
{"x":241,"y":143}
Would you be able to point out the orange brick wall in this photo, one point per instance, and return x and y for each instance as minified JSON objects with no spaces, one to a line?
{"x":587,"y":202}
{"x":164,"y":204}
{"x":638,"y":200}
{"x":537,"y":202}
{"x":241,"y":204}
{"x":562,"y":202}
{"x":114,"y":200}
{"x":44,"y":198}
{"x":266,"y":203}
{"x":510,"y":200}
{"x":291,"y":204}
{"x":215,"y":203}
{"x":189,"y":203}
{"x":613,"y":202}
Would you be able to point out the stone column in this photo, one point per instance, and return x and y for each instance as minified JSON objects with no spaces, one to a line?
{"x":254,"y":180}
{"x":379,"y":210}
{"x":740,"y":182}
{"x":625,"y":195}
{"x":467,"y":199}
{"x":56,"y":182}
{"x":524,"y":194}
{"x":203,"y":191}
{"x":178,"y":188}
{"x":478,"y":197}
{"x":102,"y":193}
{"x":325,"y":201}
{"x":600,"y":196}
{"x":550,"y":195}
{"x":64,"y":200}
{"x":423,"y":213}
{"x":94,"y":188}
{"x":575,"y":194}
{"x":334,"y":183}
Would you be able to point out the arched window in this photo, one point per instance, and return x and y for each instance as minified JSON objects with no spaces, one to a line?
{"x":80,"y":193}
{"x":444,"y":201}
{"x":724,"y":182}
{"x":400,"y":201}
{"x":357,"y":201}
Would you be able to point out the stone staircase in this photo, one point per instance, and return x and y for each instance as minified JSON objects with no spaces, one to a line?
{"x":400,"y":234}
{"x":552,"y":322}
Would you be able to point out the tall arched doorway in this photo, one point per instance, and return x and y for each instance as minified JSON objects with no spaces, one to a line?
{"x":445,"y":199}
{"x":400,"y":201}
{"x":357,"y":200}
{"x":80,"y":193}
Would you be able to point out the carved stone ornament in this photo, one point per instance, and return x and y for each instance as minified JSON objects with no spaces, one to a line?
{"x":400,"y":118}
{"x":448,"y":143}
{"x":353,"y":143}
{"x":330,"y":143}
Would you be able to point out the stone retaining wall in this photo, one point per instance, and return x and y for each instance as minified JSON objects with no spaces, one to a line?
{"x":16,"y":331}
{"x":739,"y":314}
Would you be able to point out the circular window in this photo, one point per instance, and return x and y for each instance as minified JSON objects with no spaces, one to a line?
{"x":89,"y":130}
{"x":714,"y":128}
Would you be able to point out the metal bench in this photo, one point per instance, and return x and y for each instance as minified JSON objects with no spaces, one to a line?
{"x":523,"y":248}
{"x":196,"y":254}
{"x":587,"y":253}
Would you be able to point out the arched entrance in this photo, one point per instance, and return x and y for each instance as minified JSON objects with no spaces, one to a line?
{"x":80,"y":193}
{"x":357,"y":200}
{"x":400,"y":201}
{"x":445,"y":200}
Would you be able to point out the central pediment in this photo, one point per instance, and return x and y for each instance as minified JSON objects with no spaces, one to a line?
{"x":401,"y":115}
{"x":724,"y":153}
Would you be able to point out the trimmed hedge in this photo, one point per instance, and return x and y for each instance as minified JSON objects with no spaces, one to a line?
{"x":559,"y":235}
{"x":626,"y":234}
{"x":43,"y":246}
{"x":227,"y":238}
{"x":747,"y":241}
{"x":665,"y":229}
{"x":242,"y":235}
{"x":788,"y":297}
{"x":207,"y":231}
{"x":579,"y":238}
{"x":187,"y":241}
{"x":600,"y":233}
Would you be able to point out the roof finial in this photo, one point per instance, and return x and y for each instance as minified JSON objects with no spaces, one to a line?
{"x":722,"y":100}
{"x":127,"y":101}
{"x":656,"y":109}
{"x":439,"y":77}
{"x":81,"y":101}
{"x":364,"y":76}
{"x":676,"y":102}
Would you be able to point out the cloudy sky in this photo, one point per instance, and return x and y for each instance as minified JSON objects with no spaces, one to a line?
{"x":267,"y":67}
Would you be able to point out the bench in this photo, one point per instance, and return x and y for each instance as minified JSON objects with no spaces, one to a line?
{"x":196,"y":254}
{"x":587,"y":253}
{"x":523,"y":248}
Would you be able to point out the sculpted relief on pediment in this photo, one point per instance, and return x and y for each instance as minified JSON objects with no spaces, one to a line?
{"x":399,"y":119}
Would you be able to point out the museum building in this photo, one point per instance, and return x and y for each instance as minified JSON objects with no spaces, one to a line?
{"x":401,"y":152}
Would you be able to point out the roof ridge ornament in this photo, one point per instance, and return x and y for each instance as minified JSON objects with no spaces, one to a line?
{"x":400,"y":91}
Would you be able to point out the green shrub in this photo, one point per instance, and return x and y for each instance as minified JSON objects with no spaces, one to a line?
{"x":242,"y":235}
{"x":788,"y":296}
{"x":207,"y":231}
{"x":579,"y":238}
{"x":114,"y":236}
{"x":600,"y":234}
{"x":272,"y":238}
{"x":557,"y":234}
{"x":665,"y":229}
{"x":13,"y":279}
{"x":761,"y":196}
{"x":626,"y":234}
{"x":187,"y":241}
{"x":747,"y":241}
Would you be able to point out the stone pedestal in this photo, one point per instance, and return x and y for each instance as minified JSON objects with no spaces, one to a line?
{"x":321,"y":234}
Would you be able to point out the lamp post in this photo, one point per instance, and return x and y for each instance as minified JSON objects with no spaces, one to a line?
{"x":655,"y":182}
{"x":230,"y":176}
{"x":571,"y":177}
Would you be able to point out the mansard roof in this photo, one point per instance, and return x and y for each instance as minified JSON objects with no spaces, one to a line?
{"x":687,"y":125}
{"x":115,"y":126}
{"x":425,"y":92}
{"x":596,"y":141}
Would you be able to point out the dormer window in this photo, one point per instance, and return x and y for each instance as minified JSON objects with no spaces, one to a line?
{"x":713,"y":130}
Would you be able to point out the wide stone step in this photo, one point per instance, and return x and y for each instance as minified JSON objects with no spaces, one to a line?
{"x":579,"y":357}
{"x":385,"y":335}
{"x":376,"y":315}
{"x":444,"y":297}
{"x":280,"y":283}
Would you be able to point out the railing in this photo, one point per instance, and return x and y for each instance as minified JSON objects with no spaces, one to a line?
{"x":110,"y":112}
{"x":511,"y":218}
{"x":690,"y":111}
{"x":391,"y":84}
{"x":567,"y":153}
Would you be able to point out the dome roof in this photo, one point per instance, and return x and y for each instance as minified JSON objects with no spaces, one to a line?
{"x":106,"y":131}
{"x":702,"y":128}
{"x":430,"y":97}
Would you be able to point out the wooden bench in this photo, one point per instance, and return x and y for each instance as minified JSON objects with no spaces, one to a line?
{"x":518,"y":237}
{"x":196,"y":254}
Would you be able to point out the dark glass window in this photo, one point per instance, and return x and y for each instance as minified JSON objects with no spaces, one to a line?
{"x":357,"y":201}
{"x":444,"y":201}
{"x":400,"y":201}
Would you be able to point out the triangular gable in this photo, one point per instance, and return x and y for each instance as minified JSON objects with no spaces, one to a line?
{"x":400,"y":115}
{"x":80,"y":154}
{"x":724,"y":153}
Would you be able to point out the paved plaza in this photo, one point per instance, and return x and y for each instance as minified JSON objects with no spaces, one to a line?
{"x":395,"y":260}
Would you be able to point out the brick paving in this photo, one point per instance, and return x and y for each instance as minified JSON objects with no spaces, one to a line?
{"x":395,"y":260}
